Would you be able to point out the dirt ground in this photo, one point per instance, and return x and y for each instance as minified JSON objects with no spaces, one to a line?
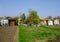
{"x":55,"y":26}
{"x":9,"y":34}
{"x":58,"y":26}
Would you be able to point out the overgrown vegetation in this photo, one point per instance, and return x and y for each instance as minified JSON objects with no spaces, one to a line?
{"x":27,"y":33}
{"x":32,"y":18}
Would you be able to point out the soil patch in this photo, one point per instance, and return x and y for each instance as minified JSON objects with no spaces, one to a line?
{"x":9,"y":34}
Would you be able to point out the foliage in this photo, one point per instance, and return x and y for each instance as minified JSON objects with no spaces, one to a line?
{"x":27,"y":33}
{"x":23,"y":17}
{"x":33,"y":17}
{"x":49,"y":17}
{"x":16,"y":17}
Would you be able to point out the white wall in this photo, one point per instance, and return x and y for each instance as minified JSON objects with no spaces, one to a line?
{"x":19,"y":21}
{"x":56,"y":22}
{"x":50,"y":22}
{"x":3,"y":22}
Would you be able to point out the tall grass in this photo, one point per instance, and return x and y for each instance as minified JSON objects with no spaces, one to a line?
{"x":27,"y":33}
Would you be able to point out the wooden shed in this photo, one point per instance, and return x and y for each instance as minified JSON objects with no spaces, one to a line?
{"x":13,"y":22}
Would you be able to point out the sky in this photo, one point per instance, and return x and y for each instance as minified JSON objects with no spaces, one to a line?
{"x":44,"y":8}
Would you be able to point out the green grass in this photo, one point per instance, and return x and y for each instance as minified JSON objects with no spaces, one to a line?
{"x":27,"y":33}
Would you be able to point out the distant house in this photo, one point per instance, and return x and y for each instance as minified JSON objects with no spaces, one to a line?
{"x":56,"y":22}
{"x":50,"y":22}
{"x":43,"y":21}
{"x":19,"y":21}
{"x":13,"y":22}
{"x":4,"y":22}
{"x":46,"y":21}
{"x":10,"y":21}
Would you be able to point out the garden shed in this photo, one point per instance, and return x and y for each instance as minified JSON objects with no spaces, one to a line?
{"x":50,"y":22}
{"x":43,"y":21}
{"x":56,"y":22}
{"x":13,"y":22}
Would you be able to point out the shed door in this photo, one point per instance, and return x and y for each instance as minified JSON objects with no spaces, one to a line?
{"x":12,"y":23}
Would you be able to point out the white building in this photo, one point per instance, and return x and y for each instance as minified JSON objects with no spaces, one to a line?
{"x":43,"y":22}
{"x":4,"y":21}
{"x":56,"y":22}
{"x":19,"y":21}
{"x":50,"y":22}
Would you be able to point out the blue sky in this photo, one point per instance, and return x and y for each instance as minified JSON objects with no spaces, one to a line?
{"x":43,"y":7}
